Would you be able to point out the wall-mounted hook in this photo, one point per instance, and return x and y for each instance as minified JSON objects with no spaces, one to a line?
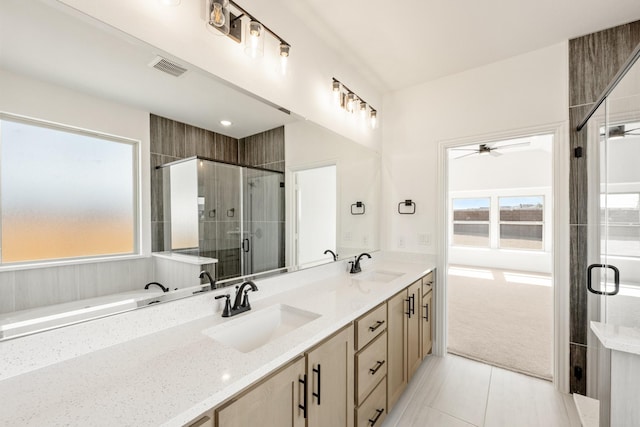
{"x":232,"y":211}
{"x":407,"y":203}
{"x":359,"y":206}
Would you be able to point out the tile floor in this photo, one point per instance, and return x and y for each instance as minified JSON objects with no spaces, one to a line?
{"x":458,"y":392}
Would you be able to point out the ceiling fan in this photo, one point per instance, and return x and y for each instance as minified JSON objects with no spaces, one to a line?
{"x":488,"y":149}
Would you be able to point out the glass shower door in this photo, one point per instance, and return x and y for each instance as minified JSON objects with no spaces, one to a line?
{"x":613,"y":277}
{"x":263,"y":220}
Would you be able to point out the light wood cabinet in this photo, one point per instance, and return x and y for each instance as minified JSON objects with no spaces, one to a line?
{"x":414,"y":349}
{"x":405,"y":338}
{"x":330,"y":376}
{"x":374,"y":409}
{"x":427,"y":315}
{"x":370,"y":325}
{"x":277,"y":401}
{"x":396,"y":347}
{"x":370,"y":367}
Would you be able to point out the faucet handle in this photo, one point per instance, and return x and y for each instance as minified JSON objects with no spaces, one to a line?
{"x":245,"y":299}
{"x":227,"y":305}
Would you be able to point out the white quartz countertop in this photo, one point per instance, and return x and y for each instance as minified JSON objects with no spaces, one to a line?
{"x":619,"y":338}
{"x":172,"y":376}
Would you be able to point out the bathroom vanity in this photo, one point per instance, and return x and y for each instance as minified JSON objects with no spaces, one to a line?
{"x":318,"y":340}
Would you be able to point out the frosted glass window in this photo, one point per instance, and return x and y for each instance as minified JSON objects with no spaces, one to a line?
{"x":65,"y":194}
{"x":184,"y":205}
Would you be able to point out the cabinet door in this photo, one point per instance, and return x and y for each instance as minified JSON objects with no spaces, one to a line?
{"x":427,"y":315}
{"x":396,"y":347}
{"x":330,"y":375}
{"x":275,"y":402}
{"x":414,"y":358}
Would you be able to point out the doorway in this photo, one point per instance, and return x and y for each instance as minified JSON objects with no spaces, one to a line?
{"x":315,"y":214}
{"x":499,"y":243}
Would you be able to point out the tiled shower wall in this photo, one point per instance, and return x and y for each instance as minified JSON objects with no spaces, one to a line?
{"x":594,"y":60}
{"x":172,"y":140}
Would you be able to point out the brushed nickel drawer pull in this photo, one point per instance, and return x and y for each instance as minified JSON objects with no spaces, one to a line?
{"x":378,"y":366}
{"x":378,"y":324}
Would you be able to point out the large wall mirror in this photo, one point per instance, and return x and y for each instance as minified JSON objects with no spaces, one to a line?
{"x":63,"y":68}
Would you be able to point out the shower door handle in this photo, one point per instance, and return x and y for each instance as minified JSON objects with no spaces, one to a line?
{"x":247,"y":247}
{"x":616,"y":279}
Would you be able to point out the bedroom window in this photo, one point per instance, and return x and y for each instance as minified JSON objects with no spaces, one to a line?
{"x":521,"y":222}
{"x":471,"y":222}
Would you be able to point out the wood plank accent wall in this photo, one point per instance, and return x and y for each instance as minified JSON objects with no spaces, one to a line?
{"x":594,"y":60}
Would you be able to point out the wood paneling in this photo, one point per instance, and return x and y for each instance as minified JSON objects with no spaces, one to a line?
{"x":265,"y":149}
{"x":578,"y":374}
{"x":594,"y":60}
{"x":578,"y":192}
{"x":578,"y":322}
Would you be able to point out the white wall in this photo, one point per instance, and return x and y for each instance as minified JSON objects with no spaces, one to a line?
{"x":305,"y":90}
{"x":358,"y":179}
{"x":500,"y":99}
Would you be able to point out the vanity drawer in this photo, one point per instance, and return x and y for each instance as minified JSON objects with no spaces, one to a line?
{"x":371,"y":366}
{"x":427,"y":283}
{"x":374,"y":410}
{"x":371,"y":325}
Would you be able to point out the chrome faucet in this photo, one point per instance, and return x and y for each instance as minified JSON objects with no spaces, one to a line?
{"x":240,"y":304}
{"x":333,"y":254}
{"x":212,"y":282}
{"x":355,"y":266}
{"x":165,"y":290}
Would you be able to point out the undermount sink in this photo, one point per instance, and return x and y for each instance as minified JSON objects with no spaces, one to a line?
{"x":253,"y":330}
{"x":378,"y":276}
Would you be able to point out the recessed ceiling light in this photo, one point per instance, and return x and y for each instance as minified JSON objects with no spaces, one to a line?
{"x":225,"y":123}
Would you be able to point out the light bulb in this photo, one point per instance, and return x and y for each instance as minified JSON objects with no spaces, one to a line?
{"x":363,"y":109}
{"x":254,"y":43}
{"x":284,"y":56}
{"x":351,"y":100}
{"x":373,"y":116}
{"x":217,"y":15}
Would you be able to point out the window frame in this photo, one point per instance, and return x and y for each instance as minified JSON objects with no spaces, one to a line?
{"x":136,"y":181}
{"x":454,"y":222}
{"x":540,"y":223}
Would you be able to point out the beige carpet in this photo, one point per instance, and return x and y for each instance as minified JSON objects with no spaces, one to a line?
{"x":503,"y":318}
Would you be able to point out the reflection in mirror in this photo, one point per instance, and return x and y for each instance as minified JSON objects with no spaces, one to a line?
{"x":101,"y":80}
{"x":234,"y":214}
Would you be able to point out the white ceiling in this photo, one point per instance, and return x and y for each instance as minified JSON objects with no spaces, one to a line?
{"x":401,"y":43}
{"x":54,"y":44}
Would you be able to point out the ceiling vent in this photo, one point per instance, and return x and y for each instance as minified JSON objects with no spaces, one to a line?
{"x":166,"y":66}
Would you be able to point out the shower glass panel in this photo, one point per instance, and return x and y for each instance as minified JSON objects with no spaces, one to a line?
{"x":614,"y":224}
{"x":232,"y":213}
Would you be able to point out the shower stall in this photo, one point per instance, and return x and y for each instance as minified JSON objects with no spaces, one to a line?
{"x":613,"y":248}
{"x":224,"y":211}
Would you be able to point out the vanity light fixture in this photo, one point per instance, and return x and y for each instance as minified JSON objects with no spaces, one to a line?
{"x":226,"y":16}
{"x":350,"y":102}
